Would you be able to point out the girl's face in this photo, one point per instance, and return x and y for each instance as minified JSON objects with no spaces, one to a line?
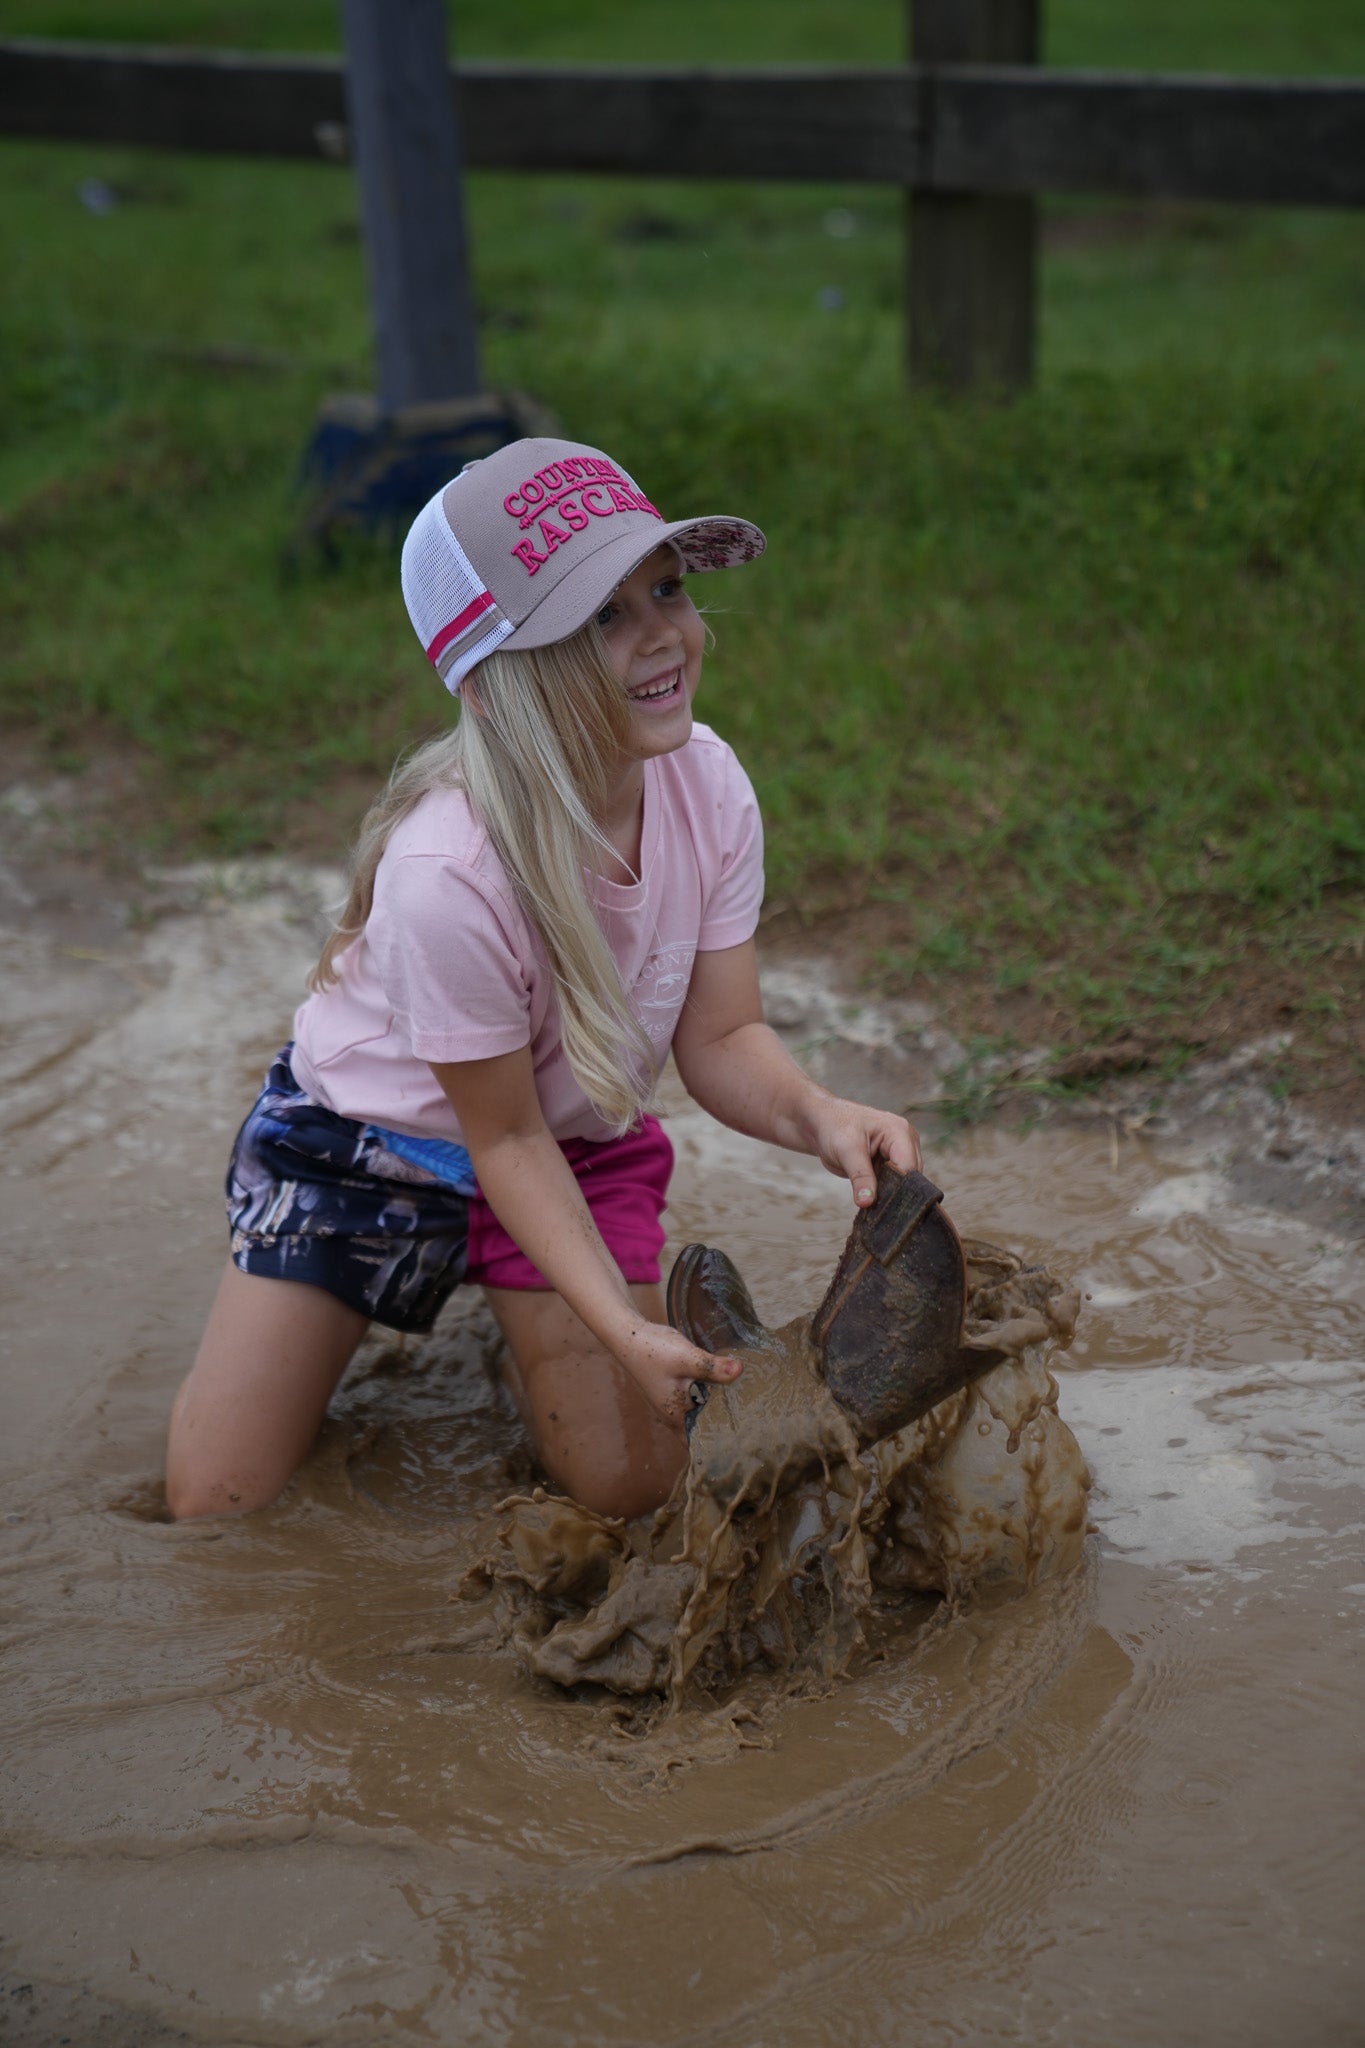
{"x":654,"y":639}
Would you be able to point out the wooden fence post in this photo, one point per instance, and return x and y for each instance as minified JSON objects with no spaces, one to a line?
{"x":973,"y":256}
{"x":407,"y":152}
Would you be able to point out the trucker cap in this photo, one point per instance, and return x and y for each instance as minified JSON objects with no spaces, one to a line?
{"x":524,"y":547}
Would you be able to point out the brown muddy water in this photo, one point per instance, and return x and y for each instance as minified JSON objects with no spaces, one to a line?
{"x":263,"y":1784}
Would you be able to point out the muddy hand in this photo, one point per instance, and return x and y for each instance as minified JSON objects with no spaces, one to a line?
{"x":851,"y":1138}
{"x":667,"y":1368}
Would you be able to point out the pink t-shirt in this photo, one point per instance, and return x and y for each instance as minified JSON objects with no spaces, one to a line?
{"x":449,"y":968}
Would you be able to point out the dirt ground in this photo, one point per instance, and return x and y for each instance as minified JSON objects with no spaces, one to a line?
{"x":1275,"y":1093}
{"x":1296,"y":1148}
{"x":1303,"y":1056}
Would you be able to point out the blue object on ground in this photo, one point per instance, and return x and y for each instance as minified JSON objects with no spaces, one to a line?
{"x":370,"y":470}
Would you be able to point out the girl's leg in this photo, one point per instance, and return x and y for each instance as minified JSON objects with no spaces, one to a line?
{"x":593,"y":1431}
{"x":247,"y":1414}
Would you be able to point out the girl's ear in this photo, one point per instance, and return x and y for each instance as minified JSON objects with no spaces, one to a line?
{"x":469,"y":694}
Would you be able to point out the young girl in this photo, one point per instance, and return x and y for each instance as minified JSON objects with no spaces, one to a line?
{"x":546,"y":902}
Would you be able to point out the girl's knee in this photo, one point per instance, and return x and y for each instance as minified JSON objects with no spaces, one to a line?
{"x":203,"y":1478}
{"x":611,"y":1453}
{"x":192,"y":1495}
{"x":250,"y":1409}
{"x":620,"y":1497}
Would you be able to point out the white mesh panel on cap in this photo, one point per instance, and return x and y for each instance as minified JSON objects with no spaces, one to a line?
{"x":469,"y":658}
{"x":454,"y":615}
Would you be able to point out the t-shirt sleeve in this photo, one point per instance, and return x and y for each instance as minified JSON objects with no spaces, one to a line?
{"x":445,"y":952}
{"x":730,"y":912}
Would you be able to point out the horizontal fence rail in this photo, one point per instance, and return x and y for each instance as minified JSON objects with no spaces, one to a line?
{"x":935,"y":128}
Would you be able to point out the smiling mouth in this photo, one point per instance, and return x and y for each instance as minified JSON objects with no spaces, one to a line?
{"x":658,"y":691}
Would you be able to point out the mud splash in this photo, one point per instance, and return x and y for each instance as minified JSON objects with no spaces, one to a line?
{"x":782,"y":1533}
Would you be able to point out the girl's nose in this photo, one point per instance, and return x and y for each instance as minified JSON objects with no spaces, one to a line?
{"x":660,"y":629}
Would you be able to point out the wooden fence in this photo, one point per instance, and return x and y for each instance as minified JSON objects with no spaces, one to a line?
{"x":970,"y":138}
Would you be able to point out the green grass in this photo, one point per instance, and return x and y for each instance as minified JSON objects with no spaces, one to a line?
{"x":1314,"y":36}
{"x":1071,"y":688}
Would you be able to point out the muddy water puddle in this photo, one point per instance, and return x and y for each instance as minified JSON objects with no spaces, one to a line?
{"x":265,"y":1784}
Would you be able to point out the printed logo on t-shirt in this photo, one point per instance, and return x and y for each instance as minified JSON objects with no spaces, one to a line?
{"x":661,"y":989}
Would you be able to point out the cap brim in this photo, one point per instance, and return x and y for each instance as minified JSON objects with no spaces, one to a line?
{"x":711,"y":542}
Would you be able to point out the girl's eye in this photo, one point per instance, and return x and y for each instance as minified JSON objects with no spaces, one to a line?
{"x":606,"y":616}
{"x":668,"y":586}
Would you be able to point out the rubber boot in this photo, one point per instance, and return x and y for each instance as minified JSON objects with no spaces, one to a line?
{"x":706,"y":1301}
{"x":889,"y":1330}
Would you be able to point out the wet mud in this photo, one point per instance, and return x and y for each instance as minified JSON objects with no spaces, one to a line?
{"x":284,"y":1780}
{"x":782,"y":1537}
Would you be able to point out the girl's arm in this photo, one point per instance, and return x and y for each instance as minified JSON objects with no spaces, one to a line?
{"x":530,"y":1187}
{"x":739,"y":1070}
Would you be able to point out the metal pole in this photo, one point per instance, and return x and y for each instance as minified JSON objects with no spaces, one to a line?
{"x":405,"y":140}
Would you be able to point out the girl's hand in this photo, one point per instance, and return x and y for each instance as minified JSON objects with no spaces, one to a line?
{"x":664,"y":1365}
{"x":849,"y":1137}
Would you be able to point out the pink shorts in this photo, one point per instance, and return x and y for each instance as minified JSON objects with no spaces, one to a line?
{"x":625,"y":1184}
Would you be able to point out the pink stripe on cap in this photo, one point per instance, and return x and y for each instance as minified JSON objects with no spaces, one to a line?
{"x":458,"y":624}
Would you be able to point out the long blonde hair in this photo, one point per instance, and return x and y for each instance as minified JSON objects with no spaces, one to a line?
{"x":532,"y":750}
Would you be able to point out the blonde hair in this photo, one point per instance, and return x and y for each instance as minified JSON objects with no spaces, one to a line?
{"x":532,"y":750}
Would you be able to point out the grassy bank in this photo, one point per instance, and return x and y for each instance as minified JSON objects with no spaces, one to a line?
{"x":1061,"y":703}
{"x":1317,"y":36}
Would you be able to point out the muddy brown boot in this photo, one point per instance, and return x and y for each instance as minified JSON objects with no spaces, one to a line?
{"x":889,"y":1331}
{"x":708,"y":1302}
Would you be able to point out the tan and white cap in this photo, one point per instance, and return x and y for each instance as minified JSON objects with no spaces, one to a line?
{"x":523,"y":548}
